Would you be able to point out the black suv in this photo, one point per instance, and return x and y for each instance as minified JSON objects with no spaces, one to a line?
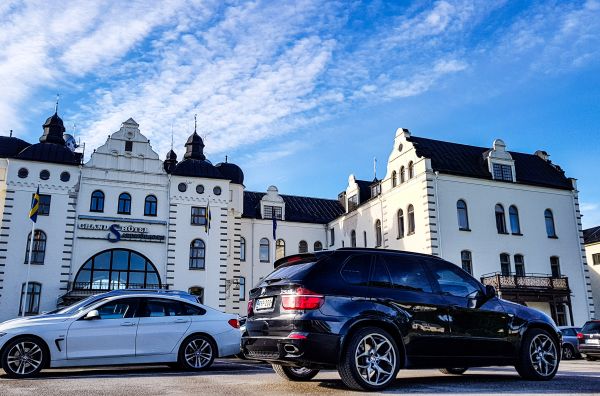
{"x":370,"y":312}
{"x":589,"y":340}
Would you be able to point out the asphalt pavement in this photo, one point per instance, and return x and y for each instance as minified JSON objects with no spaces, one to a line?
{"x":240,"y":377}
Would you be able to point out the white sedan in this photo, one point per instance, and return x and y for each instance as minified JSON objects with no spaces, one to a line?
{"x":127,"y":328}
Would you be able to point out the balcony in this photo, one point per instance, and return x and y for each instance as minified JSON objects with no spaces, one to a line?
{"x":529,"y":282}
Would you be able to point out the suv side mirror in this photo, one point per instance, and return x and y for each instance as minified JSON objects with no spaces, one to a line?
{"x":92,"y":315}
{"x":490,"y":291}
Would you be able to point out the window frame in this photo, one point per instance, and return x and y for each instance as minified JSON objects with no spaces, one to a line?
{"x":410,"y":211}
{"x":353,"y":238}
{"x":43,"y":204}
{"x":411,"y":170}
{"x":502,"y":172}
{"x":198,"y":219}
{"x":549,"y":221}
{"x":264,"y":243}
{"x":153,"y":205}
{"x":500,"y":217}
{"x":504,"y":263}
{"x":515,"y":222}
{"x":378,"y":234}
{"x":270,"y":210}
{"x":97,"y":202}
{"x":125,"y":200}
{"x":519,"y":260}
{"x":466,"y":260}
{"x":394,"y":179}
{"x":317,"y":246}
{"x":402,"y":174}
{"x":400,"y":223}
{"x":197,"y":256}
{"x":38,"y":250}
{"x":242,"y":288}
{"x":242,"y":249}
{"x":279,"y":248}
{"x":32,"y":298}
{"x":555,"y":263}
{"x":462,"y":209}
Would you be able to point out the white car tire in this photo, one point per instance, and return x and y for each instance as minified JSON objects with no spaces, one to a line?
{"x":24,"y":357}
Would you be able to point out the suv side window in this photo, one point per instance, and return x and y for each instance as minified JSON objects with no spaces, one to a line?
{"x":453,"y":280}
{"x":356,"y":270}
{"x":380,"y":276}
{"x":119,"y":309}
{"x":408,"y":273}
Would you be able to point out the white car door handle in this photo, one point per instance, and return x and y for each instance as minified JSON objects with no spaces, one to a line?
{"x":127,"y":324}
{"x":180,"y":321}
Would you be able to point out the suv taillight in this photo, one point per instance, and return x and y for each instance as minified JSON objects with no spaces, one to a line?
{"x":250,"y":307}
{"x":580,"y":336}
{"x":302,"y":299}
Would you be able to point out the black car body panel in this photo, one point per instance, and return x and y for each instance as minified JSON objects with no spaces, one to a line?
{"x":589,"y":339}
{"x":416,"y":298}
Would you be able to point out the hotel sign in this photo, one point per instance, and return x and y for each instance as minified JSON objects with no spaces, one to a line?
{"x":123,"y":232}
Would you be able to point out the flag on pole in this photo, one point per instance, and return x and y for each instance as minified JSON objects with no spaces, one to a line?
{"x":208,"y":217}
{"x":35,"y":205}
{"x":274,"y":217}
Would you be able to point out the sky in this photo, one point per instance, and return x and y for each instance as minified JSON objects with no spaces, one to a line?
{"x":303,"y":93}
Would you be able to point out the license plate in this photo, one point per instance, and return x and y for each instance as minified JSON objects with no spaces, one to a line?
{"x":593,"y":341}
{"x":264,"y":303}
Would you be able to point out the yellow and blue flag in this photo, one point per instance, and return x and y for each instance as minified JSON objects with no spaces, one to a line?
{"x":208,"y":217}
{"x":35,"y":205}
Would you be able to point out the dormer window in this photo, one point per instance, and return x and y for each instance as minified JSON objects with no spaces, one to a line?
{"x":500,"y":162}
{"x":352,"y":202}
{"x":503,"y":172}
{"x":269,"y":210}
{"x":376,"y":190}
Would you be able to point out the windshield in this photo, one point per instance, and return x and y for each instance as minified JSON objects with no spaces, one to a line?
{"x":591,"y":328}
{"x":289,"y":271}
{"x":79,"y":306}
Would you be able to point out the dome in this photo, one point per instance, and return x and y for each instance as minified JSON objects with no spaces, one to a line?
{"x":50,"y":152}
{"x":231,"y":172}
{"x":53,"y":130}
{"x":197,"y":168}
{"x":11,"y":146}
{"x":194,"y":147}
{"x":170,"y":161}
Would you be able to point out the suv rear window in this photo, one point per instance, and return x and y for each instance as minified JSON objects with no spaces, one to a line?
{"x":591,"y":328}
{"x":290,"y":271}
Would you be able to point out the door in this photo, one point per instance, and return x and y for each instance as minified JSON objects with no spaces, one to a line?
{"x":113,"y":335}
{"x":403,"y":292}
{"x":478,"y":325}
{"x":163,"y":323}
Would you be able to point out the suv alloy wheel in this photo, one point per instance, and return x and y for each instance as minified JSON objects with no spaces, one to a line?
{"x":539,"y":356}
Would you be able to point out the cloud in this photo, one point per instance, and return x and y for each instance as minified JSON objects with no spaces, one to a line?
{"x":591,"y":214}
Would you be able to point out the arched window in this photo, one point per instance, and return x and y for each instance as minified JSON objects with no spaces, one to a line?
{"x":411,"y":170}
{"x":264,"y":250}
{"x":242,"y":283}
{"x":97,"y":201}
{"x":400,"y":217}
{"x":463,"y":215}
{"x":411,"y":219}
{"x":279,"y":249}
{"x":500,"y":219}
{"x":242,"y":249}
{"x":150,"y":205}
{"x":402,"y":174}
{"x":515,"y":225}
{"x":365,"y":237}
{"x":117,"y":269}
{"x":466,"y":261}
{"x":555,"y":267}
{"x":505,"y":264}
{"x":124,"y":204}
{"x":549,"y":217}
{"x":378,"y":236}
{"x":519,"y":265}
{"x":302,"y":247}
{"x":38,"y":251}
{"x":32,"y":301}
{"x":394,"y":181}
{"x":353,"y":238}
{"x":198,"y":292}
{"x":318,"y":246}
{"x":197,"y":254}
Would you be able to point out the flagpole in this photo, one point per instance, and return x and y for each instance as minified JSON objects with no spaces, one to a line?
{"x":24,"y":297}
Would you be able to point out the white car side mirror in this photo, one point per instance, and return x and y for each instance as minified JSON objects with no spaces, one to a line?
{"x":93,"y":314}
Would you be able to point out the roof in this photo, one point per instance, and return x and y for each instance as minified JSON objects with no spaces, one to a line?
{"x":50,"y":152}
{"x":464,"y":160}
{"x":11,"y":146}
{"x":197,"y":168}
{"x":364,"y":186}
{"x":591,"y":235}
{"x":297,"y":209}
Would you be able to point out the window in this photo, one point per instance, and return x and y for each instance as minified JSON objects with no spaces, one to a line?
{"x":331,"y":237}
{"x":242,"y":249}
{"x":32,"y":301}
{"x":411,"y":170}
{"x":500,"y":220}
{"x":197,"y":254}
{"x":596,"y":259}
{"x":158,"y":307}
{"x":44,"y":175}
{"x":119,"y":309}
{"x":561,"y":314}
{"x":279,"y":249}
{"x":198,"y":216}
{"x":503,"y":172}
{"x":394,"y":181}
{"x":353,"y":238}
{"x":117,"y":269}
{"x":97,"y":201}
{"x":65,"y":177}
{"x":549,"y":217}
{"x":124,"y":204}
{"x":466,"y":261}
{"x":411,"y":219}
{"x":513,"y":214}
{"x":128,"y":145}
{"x":380,"y":276}
{"x":400,"y":216}
{"x":264,"y":250}
{"x":318,"y":246}
{"x":356,"y":270}
{"x":402,"y":174}
{"x":182,"y":187}
{"x":242,"y":283}
{"x":408,"y":274}
{"x":555,"y":266}
{"x":453,"y":281}
{"x":365,"y":237}
{"x":44,"y":204}
{"x":200,"y":189}
{"x":352,"y":202}
{"x":150,"y":206}
{"x":302,"y":247}
{"x":376,"y":190}
{"x":269,"y":210}
{"x":463,"y":215}
{"x":217,"y":190}
{"x":38,"y":251}
{"x":198,"y":292}
{"x":505,"y":264}
{"x":23,"y":173}
{"x":519,"y":265}
{"x":378,"y":236}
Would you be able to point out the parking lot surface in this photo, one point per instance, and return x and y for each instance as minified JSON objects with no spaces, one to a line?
{"x":239,"y":377}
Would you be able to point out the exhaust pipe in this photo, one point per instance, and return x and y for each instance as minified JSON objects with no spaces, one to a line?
{"x":292,"y":349}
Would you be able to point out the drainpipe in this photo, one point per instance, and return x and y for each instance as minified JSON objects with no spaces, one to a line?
{"x":437,"y":212}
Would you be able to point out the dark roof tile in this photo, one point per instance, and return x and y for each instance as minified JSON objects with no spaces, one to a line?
{"x":591,"y":235}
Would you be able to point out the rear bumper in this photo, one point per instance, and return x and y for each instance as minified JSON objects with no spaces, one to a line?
{"x":586,"y":349}
{"x":317,"y":350}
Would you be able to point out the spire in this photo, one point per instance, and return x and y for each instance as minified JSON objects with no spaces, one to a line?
{"x":53,"y":128}
{"x":194,"y":145}
{"x":56,"y":106}
{"x":374,"y":168}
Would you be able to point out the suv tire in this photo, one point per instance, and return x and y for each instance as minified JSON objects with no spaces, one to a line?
{"x":295,"y":373}
{"x":370,"y":361}
{"x":539,"y":356}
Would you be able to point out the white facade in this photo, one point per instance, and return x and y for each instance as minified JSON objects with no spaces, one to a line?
{"x":239,"y":247}
{"x":592,"y":251}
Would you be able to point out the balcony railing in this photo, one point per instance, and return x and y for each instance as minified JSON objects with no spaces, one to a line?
{"x":529,"y":281}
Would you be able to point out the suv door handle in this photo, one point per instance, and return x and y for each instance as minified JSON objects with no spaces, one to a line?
{"x":127,"y":324}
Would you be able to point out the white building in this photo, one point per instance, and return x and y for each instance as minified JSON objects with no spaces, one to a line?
{"x":591,"y":238}
{"x":127,"y":219}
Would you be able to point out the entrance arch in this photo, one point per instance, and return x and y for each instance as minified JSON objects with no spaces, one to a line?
{"x":115,"y":269}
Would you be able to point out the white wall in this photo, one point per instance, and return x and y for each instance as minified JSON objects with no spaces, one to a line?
{"x":594,"y":273}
